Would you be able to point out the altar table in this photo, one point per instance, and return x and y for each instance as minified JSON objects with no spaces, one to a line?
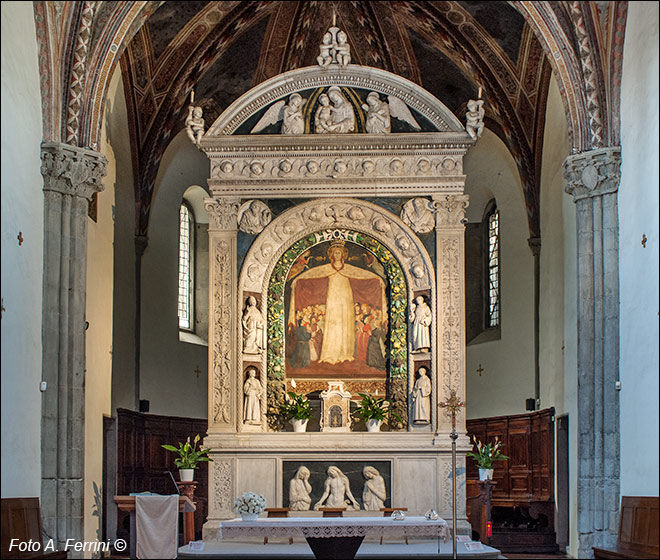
{"x":334,"y":537}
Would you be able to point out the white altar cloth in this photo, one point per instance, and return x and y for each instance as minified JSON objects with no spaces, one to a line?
{"x":329,"y":527}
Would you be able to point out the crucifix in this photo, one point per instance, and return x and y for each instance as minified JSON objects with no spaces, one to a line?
{"x":480,"y":370}
{"x":453,"y":404}
{"x":197,"y":372}
{"x":20,"y":238}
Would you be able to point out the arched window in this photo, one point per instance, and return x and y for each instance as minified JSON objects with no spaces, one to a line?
{"x":186,"y":266}
{"x":493,"y":270}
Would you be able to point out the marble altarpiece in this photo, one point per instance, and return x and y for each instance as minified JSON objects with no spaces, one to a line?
{"x":336,"y":289}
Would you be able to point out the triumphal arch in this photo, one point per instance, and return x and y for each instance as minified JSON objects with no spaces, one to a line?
{"x":336,"y":269}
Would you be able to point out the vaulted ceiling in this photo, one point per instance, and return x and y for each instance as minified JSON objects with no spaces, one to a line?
{"x":221,"y":49}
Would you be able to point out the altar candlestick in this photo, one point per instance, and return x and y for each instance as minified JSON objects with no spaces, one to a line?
{"x":479,"y":97}
{"x":192,"y":97}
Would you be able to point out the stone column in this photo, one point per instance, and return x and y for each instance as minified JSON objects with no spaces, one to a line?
{"x":593,"y":179}
{"x":223,"y":275}
{"x":71,"y":175}
{"x":450,"y":293}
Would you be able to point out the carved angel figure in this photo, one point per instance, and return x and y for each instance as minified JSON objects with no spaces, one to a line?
{"x":379,"y":113}
{"x":195,"y":124}
{"x":475,"y":118}
{"x":343,"y":50}
{"x":325,"y":56}
{"x":289,"y":113}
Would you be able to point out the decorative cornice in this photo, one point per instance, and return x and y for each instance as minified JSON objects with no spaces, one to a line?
{"x":223,"y":213}
{"x":593,"y":173}
{"x":71,"y":170}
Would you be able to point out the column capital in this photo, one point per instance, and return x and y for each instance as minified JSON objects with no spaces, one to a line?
{"x":450,"y":210}
{"x":72,"y":170}
{"x":593,"y":173}
{"x":223,"y":213}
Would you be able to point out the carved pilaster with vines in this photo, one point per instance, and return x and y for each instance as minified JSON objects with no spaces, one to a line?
{"x":223,"y":232}
{"x":450,"y":266}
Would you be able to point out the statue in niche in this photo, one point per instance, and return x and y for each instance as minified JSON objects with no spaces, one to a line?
{"x":421,"y":398}
{"x":195,"y":124}
{"x":379,"y":113}
{"x":335,"y":416}
{"x":374,"y":493}
{"x":289,"y":113}
{"x":475,"y":118}
{"x":337,"y":492}
{"x":253,"y":328}
{"x":421,"y":317}
{"x":299,"y":490}
{"x":417,"y":214}
{"x":253,"y":216}
{"x":252,"y":390}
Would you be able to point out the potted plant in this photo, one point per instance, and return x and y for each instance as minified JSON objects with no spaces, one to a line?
{"x":298,"y":409}
{"x":485,"y":455}
{"x":374,"y":411}
{"x":189,"y":456}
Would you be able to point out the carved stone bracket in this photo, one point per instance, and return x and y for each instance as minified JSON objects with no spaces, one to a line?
{"x":450,"y":211}
{"x":593,"y":173}
{"x":223,"y":213}
{"x":71,"y":170}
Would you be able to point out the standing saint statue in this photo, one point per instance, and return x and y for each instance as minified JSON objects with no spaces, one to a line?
{"x":333,"y":285}
{"x":253,"y":328}
{"x":374,"y":493}
{"x":421,"y":398}
{"x":336,"y":491}
{"x":420,"y":317}
{"x":252,"y":391}
{"x":299,"y":490}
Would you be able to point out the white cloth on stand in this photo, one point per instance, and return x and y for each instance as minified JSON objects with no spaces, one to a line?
{"x":156,"y":526}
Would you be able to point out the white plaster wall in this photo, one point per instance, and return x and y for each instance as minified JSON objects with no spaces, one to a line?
{"x":558,"y":287}
{"x":638,"y":266}
{"x":508,"y":363}
{"x":22,"y":265}
{"x":167,"y":366}
{"x":117,"y":138}
{"x":98,"y":313}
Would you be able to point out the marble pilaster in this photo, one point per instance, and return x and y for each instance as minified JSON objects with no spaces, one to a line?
{"x":593,"y":179}
{"x":71,"y":176}
{"x":223,"y":336}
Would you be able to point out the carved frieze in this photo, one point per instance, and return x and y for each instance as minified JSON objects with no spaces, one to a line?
{"x":72,"y":170}
{"x":593,"y":173}
{"x":450,"y":301}
{"x":222,"y":355}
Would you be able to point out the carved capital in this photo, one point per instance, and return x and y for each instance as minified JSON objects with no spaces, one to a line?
{"x":450,"y":210}
{"x":71,"y":170}
{"x":593,"y":173}
{"x":223,"y":213}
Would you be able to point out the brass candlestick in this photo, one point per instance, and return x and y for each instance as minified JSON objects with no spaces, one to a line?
{"x":453,"y":404}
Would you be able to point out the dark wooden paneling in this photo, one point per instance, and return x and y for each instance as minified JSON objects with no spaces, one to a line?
{"x":142,"y":461}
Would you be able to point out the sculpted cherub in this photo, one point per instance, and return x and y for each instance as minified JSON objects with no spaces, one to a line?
{"x":195,"y":124}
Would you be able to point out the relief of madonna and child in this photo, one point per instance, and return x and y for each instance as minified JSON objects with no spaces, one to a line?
{"x":336,"y":313}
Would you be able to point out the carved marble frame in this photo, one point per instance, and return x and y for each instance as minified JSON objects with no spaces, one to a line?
{"x":325,"y":215}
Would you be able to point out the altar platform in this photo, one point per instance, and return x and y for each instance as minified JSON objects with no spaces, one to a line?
{"x":370,"y":548}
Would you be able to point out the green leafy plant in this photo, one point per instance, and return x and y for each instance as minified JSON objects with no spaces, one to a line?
{"x":296,"y":406}
{"x":486,"y":454}
{"x":373,"y":408}
{"x":189,"y":454}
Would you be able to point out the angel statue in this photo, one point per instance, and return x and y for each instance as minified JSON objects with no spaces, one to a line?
{"x":475,"y":118}
{"x":379,"y":113}
{"x":195,"y":124}
{"x":289,"y":113}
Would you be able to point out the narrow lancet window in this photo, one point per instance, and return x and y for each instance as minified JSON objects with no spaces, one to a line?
{"x":186,"y":252}
{"x":494,"y":269}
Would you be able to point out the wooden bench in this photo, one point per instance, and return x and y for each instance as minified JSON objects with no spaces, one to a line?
{"x":21,"y":520}
{"x":638,"y":530}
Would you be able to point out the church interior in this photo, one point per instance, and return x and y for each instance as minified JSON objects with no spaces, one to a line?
{"x":348,"y":244}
